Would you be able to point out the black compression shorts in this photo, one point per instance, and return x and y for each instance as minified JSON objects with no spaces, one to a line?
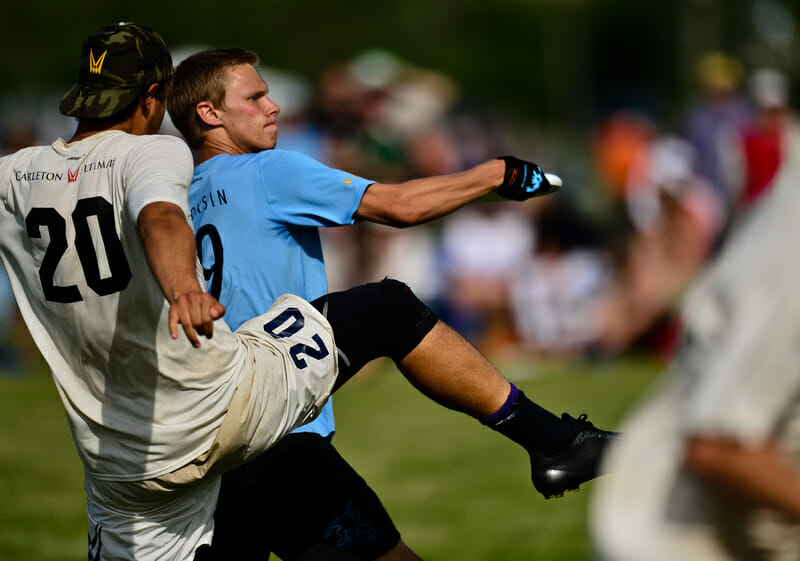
{"x":303,"y":502}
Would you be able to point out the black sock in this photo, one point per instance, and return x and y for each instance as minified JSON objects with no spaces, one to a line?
{"x":529,"y":425}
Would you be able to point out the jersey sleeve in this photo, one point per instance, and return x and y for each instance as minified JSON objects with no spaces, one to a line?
{"x":159,"y":171}
{"x":304,"y":192}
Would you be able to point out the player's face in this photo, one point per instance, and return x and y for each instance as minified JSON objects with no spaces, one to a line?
{"x":249,"y":116}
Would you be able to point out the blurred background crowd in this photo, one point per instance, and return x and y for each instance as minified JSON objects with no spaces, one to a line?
{"x":651,"y":190}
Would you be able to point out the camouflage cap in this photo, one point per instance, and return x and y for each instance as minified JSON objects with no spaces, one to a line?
{"x":117,"y":62}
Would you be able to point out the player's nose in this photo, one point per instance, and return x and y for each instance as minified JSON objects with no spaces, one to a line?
{"x":270,"y":107}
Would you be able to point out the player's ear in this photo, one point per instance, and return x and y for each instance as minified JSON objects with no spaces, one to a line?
{"x":147,"y":98}
{"x":208,"y":113}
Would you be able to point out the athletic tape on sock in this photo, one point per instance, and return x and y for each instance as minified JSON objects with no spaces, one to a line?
{"x":505,"y":409}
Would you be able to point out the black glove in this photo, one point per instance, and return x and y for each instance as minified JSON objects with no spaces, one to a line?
{"x":524,"y":180}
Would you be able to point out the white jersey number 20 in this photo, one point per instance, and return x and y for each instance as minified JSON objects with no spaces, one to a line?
{"x":103,"y":213}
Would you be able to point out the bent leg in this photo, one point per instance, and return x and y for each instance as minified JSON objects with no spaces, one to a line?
{"x":449,"y":370}
{"x":387,"y":319}
{"x":379,"y":319}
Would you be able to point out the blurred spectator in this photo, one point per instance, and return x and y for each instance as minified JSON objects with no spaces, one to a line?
{"x":412,"y":254}
{"x":767,"y":140}
{"x":483,"y":249}
{"x":677,"y":218}
{"x":715,"y":122}
{"x":663,"y":175}
{"x":616,"y":142}
{"x":387,"y":116}
{"x":557,"y":290}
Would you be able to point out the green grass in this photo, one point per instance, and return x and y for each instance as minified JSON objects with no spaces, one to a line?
{"x":455,"y":489}
{"x":42,"y":508}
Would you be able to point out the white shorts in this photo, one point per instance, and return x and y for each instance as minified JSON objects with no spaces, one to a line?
{"x":289,"y":372}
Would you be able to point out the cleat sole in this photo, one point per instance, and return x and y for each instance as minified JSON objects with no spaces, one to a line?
{"x":561,"y":495}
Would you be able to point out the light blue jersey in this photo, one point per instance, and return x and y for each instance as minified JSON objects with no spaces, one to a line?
{"x":256,"y":218}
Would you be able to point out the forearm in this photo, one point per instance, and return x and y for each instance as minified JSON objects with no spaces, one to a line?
{"x":421,"y":200}
{"x":168,"y":242}
{"x":762,"y":476}
{"x":169,"y":246}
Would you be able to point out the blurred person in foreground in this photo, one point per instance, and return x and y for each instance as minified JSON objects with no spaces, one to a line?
{"x":677,"y":219}
{"x":96,"y":239}
{"x":257,"y":211}
{"x":709,"y":469}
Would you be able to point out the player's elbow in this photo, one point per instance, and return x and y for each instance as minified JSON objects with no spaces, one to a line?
{"x":393,"y":206}
{"x":408,"y":215}
{"x":400,"y":214}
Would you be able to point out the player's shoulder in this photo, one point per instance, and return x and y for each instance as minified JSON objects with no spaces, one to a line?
{"x":287,"y":161}
{"x":22,"y":157}
{"x":280,"y":156}
{"x":6,"y":160}
{"x":158,"y":142}
{"x":24,"y":153}
{"x":6,"y":163}
{"x":157,"y":149}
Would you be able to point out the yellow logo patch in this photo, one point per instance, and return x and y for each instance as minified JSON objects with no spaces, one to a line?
{"x":96,"y":65}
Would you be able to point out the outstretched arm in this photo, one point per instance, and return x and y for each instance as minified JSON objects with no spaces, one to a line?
{"x":169,"y":245}
{"x":762,"y":475}
{"x":420,"y":200}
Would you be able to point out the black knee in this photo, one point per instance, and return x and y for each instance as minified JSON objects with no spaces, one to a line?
{"x":403,"y":319}
{"x":376,"y":320}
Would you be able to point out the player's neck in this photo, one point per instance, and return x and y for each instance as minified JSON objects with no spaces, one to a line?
{"x":138,"y":122}
{"x":87,"y":128}
{"x":135,"y":124}
{"x":214,"y":147}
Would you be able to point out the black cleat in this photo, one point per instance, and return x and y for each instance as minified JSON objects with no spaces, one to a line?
{"x":575,"y":464}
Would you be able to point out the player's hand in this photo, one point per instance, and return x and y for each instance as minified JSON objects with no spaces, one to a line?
{"x":196,"y":312}
{"x":524,"y":180}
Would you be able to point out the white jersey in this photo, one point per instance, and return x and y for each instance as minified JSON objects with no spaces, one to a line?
{"x":139,"y":403}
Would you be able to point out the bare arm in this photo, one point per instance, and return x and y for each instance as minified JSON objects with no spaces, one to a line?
{"x":169,"y":245}
{"x":761,"y":476}
{"x":421,"y":200}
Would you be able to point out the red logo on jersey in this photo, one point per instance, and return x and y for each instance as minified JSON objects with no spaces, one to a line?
{"x":72,"y":177}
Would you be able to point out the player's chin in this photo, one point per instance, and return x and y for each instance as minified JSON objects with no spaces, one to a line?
{"x":270,"y":139}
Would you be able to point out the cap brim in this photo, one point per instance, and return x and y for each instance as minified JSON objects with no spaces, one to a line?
{"x":96,"y":102}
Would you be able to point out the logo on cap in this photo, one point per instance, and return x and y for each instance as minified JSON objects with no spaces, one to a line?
{"x":95,"y":65}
